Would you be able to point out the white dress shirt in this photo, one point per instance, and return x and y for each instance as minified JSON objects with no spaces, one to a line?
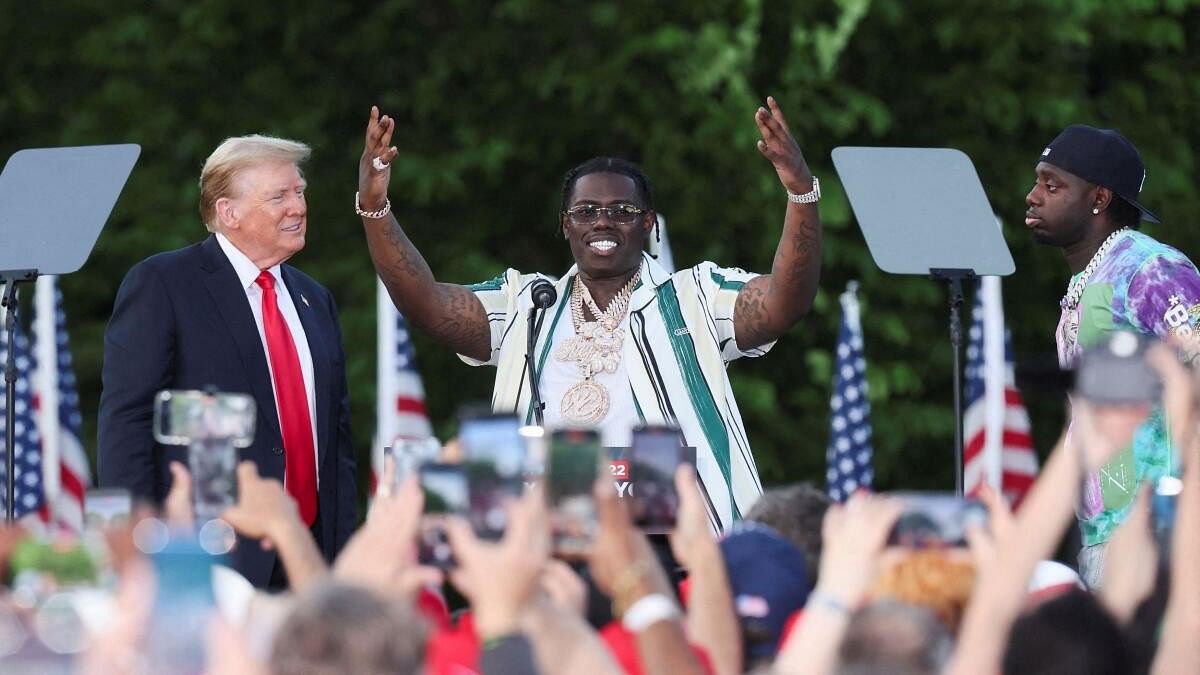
{"x":247,"y":273}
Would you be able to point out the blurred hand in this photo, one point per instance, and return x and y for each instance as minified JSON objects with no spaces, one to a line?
{"x":1131,"y":563}
{"x":382,"y":554}
{"x":622,"y":563}
{"x":263,"y":507}
{"x":1103,"y":431}
{"x":177,"y":507}
{"x":1179,"y":390}
{"x":373,"y":183}
{"x":564,"y":588}
{"x":499,"y":578}
{"x":778,"y":146}
{"x":692,"y":539}
{"x":1000,"y":529}
{"x":853,"y":535}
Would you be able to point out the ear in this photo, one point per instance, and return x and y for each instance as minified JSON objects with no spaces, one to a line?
{"x":649,"y":220}
{"x":227,"y":213}
{"x":1101,"y":199}
{"x":563,"y":225}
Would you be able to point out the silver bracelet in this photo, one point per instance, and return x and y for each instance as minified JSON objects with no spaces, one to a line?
{"x":809,"y":197}
{"x":387,"y":208}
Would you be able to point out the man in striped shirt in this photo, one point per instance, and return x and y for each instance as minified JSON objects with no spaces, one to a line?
{"x":626,"y":342}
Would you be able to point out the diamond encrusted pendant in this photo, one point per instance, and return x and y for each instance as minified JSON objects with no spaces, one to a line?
{"x":585,"y":403}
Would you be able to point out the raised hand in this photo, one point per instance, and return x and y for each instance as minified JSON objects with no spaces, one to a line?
{"x":778,"y":146}
{"x":373,"y":181}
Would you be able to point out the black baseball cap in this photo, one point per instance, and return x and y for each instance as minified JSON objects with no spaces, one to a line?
{"x":1103,"y":157}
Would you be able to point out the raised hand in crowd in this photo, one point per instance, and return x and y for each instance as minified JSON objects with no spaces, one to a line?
{"x":265,"y":511}
{"x":177,"y":507}
{"x":625,"y":568}
{"x":1131,"y":562}
{"x":853,"y":538}
{"x":518,"y":560}
{"x":382,"y":554}
{"x":562,"y":587}
{"x":711,"y":619}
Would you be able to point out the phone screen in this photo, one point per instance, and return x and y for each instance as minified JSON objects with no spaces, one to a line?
{"x":446,"y":492}
{"x":572,"y":463}
{"x":655,"y":455}
{"x":495,"y":462}
{"x":934,"y":519}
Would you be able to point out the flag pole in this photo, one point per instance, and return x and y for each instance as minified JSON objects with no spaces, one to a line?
{"x":45,"y":384}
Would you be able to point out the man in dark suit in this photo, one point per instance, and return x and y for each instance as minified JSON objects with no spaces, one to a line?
{"x":227,"y":313}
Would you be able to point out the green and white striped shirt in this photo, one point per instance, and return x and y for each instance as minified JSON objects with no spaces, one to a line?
{"x":680,"y":340}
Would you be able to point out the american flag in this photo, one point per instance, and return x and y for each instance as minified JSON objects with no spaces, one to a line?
{"x":57,"y":404}
{"x":400,"y":396}
{"x":997,"y":448}
{"x":849,"y":452}
{"x":27,"y":454}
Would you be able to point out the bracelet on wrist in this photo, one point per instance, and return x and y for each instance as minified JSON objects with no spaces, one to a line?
{"x":828,"y":601}
{"x":387,"y":208}
{"x":649,"y":610}
{"x":809,"y":197}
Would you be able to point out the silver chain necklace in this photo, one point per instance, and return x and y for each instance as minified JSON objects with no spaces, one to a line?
{"x":1075,"y":289}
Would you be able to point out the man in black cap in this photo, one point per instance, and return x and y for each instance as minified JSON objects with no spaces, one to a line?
{"x":1084,"y":201}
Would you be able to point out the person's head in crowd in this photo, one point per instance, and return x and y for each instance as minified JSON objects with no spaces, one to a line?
{"x":940,"y":580}
{"x":1087,"y":180}
{"x":1069,"y":635}
{"x":795,"y":511}
{"x":894,"y":638}
{"x":769,"y":582}
{"x":252,"y":192}
{"x":339,"y":628}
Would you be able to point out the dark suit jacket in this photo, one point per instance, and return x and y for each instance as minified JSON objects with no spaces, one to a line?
{"x":181,"y":321}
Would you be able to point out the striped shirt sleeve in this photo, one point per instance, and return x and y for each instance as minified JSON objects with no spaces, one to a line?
{"x":719,"y":288}
{"x":499,"y":298}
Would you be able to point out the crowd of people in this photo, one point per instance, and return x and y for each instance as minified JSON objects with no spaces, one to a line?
{"x":800,"y":586}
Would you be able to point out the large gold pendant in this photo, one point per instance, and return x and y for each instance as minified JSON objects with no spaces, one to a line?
{"x":585,"y":403}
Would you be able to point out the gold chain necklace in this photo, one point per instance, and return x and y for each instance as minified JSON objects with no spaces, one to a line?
{"x":595,"y":348}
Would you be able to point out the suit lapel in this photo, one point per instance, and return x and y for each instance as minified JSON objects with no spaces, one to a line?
{"x":315,"y":333}
{"x":230,"y":299}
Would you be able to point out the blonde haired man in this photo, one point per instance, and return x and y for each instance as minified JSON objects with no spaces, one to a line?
{"x":228,"y":313}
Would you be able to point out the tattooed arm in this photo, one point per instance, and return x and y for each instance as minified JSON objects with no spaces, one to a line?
{"x":450,"y":313}
{"x":768,"y":305}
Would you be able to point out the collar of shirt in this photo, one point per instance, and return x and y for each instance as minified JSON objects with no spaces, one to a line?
{"x":246,"y":270}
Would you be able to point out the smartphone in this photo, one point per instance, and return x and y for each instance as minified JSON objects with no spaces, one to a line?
{"x":572,"y":462}
{"x":935,"y":519}
{"x":649,"y":480}
{"x":105,"y":508}
{"x":1115,"y":372}
{"x":212,"y":425}
{"x":446,"y":493}
{"x":184,"y":605}
{"x":408,"y":454}
{"x":494,"y":454}
{"x":1164,"y":500}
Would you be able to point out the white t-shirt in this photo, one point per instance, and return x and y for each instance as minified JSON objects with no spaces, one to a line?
{"x":558,"y":376}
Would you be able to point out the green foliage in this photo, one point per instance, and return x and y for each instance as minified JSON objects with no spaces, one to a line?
{"x":494,"y":101}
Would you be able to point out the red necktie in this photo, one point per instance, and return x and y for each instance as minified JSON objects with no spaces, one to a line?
{"x":300,"y":471}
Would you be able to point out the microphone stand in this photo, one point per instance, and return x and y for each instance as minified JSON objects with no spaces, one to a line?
{"x":535,"y":393}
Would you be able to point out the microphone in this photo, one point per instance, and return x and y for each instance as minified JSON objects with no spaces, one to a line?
{"x":543,"y":294}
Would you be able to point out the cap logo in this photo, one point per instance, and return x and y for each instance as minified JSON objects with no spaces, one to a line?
{"x":752,"y":606}
{"x":1046,"y":152}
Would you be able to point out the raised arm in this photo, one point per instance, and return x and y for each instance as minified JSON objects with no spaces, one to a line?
{"x":449,"y":312}
{"x":769,"y":305}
